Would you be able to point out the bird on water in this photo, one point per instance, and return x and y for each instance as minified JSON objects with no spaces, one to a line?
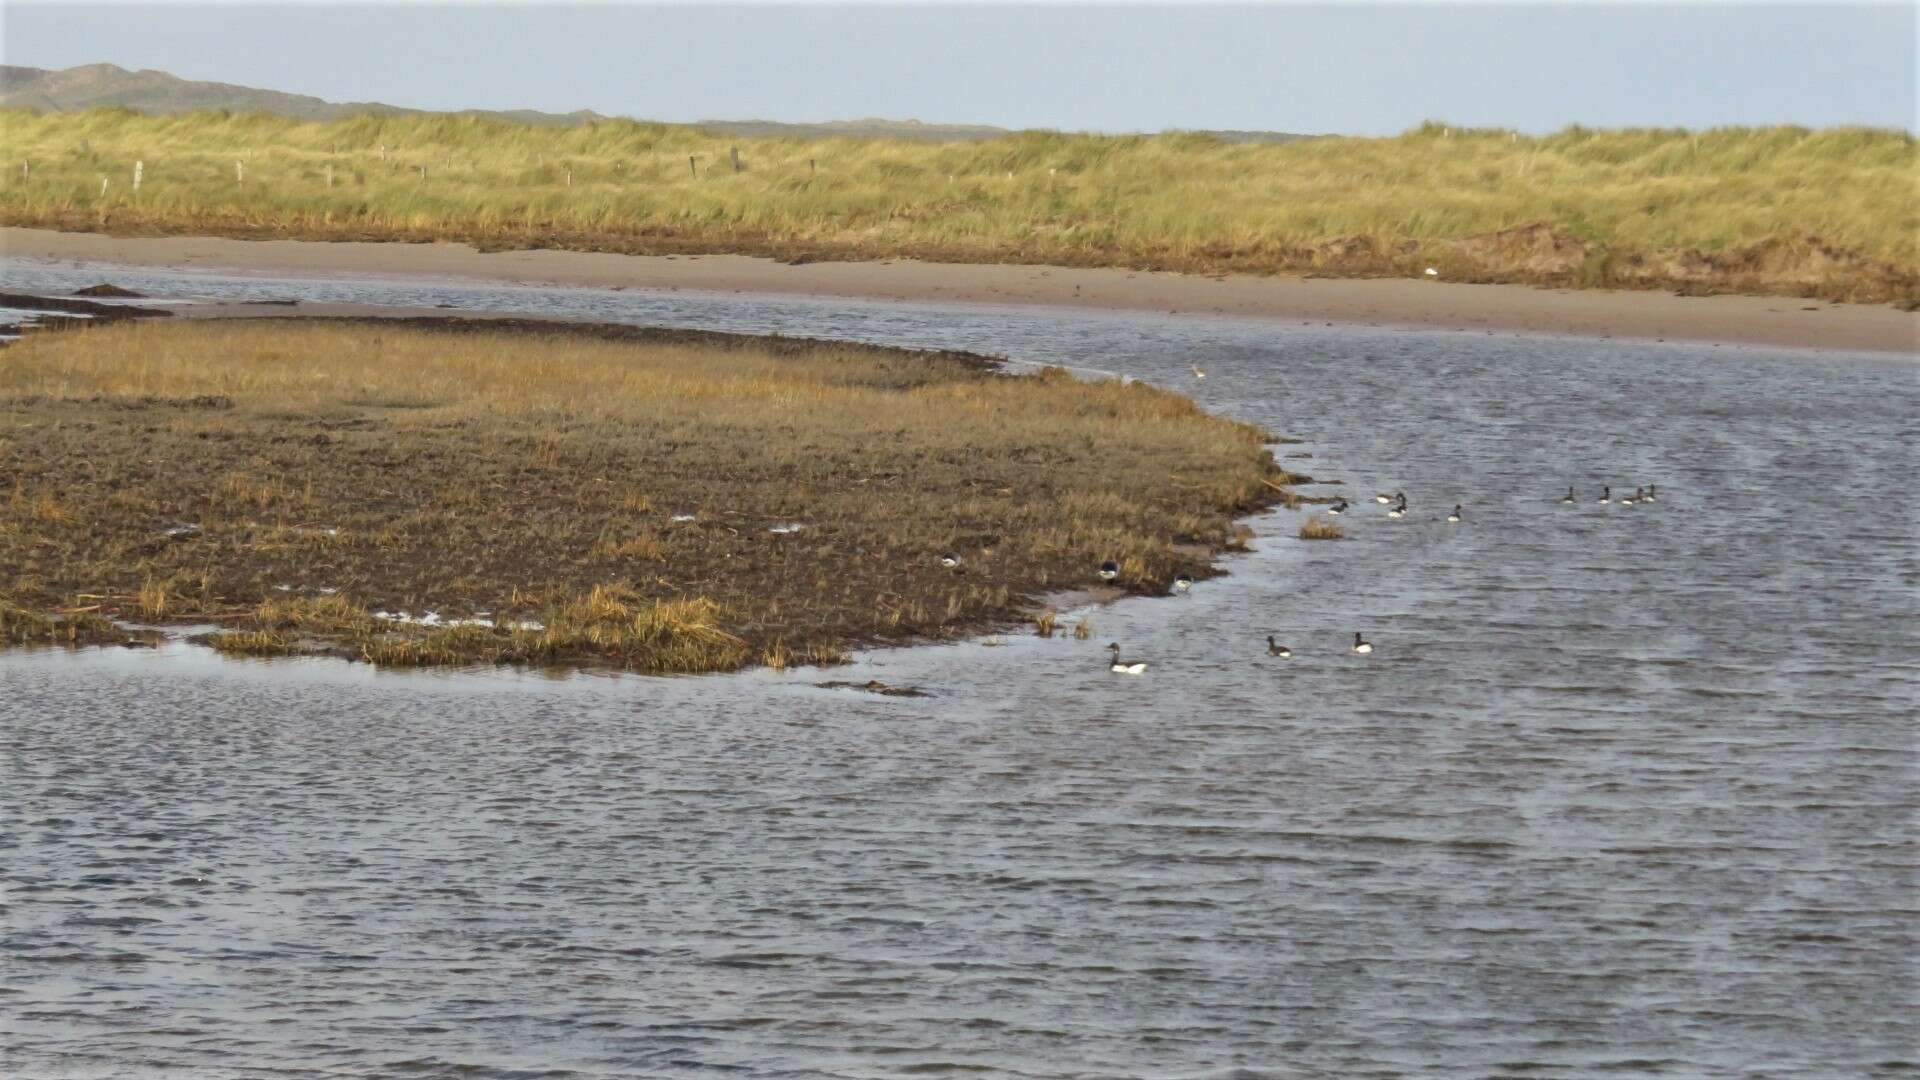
{"x":1276,"y":649}
{"x":1361,"y":645}
{"x":1124,"y":667}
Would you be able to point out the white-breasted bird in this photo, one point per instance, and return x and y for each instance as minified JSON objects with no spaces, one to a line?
{"x":1124,"y":667}
{"x":1361,"y":645}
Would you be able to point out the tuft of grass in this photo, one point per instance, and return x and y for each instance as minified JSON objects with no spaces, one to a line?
{"x":151,"y":602}
{"x":254,"y":643}
{"x":1773,"y":209}
{"x":632,"y":547}
{"x":1046,"y":623}
{"x":1083,"y":629}
{"x":1319,"y":527}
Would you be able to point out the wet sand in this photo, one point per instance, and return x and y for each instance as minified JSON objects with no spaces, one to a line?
{"x":1748,"y":320}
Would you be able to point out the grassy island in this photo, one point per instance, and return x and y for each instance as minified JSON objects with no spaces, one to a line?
{"x":1785,"y":210}
{"x":459,"y":491}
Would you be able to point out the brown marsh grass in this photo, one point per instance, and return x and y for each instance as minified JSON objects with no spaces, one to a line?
{"x":521,"y":478}
{"x":1321,"y":528}
{"x":1826,"y":212}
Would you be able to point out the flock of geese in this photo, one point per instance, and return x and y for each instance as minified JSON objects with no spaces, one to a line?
{"x":1396,"y":508}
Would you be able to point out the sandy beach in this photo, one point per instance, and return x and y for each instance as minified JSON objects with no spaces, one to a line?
{"x":1746,"y":320}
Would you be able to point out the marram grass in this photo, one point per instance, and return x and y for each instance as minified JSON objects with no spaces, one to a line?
{"x":1824,"y":212}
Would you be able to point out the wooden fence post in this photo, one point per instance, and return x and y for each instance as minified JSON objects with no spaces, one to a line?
{"x":329,"y":174}
{"x":569,"y":177}
{"x":103,"y":187}
{"x":139,"y":167}
{"x":239,"y":173}
{"x":811,"y":168}
{"x":26,"y":170}
{"x":691,"y":167}
{"x":734,"y":153}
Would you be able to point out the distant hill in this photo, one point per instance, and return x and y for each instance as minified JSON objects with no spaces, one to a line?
{"x":96,"y":85}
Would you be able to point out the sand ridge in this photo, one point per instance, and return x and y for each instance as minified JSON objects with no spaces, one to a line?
{"x":1747,"y":320}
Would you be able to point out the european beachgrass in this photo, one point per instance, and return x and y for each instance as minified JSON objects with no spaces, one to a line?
{"x":292,"y":481}
{"x":1791,"y":210}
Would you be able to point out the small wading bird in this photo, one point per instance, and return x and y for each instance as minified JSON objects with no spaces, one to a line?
{"x":1276,"y":649}
{"x":1455,"y":516}
{"x":1124,"y":667}
{"x":1182,"y":582}
{"x":1109,"y":570}
{"x":1361,"y":645}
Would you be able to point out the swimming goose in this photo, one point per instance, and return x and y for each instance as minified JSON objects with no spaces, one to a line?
{"x":1339,"y":507}
{"x":1652,"y":493}
{"x":1109,"y":570}
{"x":1361,"y":645}
{"x":1276,"y":649}
{"x":1382,"y":498}
{"x":1455,"y":516}
{"x":1606,"y":495}
{"x":1638,"y":493}
{"x":1568,"y":499}
{"x":1182,"y":582}
{"x":1399,"y":509}
{"x":950,"y":560}
{"x":1124,"y":667}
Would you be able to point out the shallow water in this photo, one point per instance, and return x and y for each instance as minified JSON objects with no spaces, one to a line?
{"x":1624,"y":791}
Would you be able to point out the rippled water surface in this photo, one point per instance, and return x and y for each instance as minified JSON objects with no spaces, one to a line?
{"x":1624,"y":791}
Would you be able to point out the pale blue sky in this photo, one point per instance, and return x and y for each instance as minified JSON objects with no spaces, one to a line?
{"x":1355,"y":68}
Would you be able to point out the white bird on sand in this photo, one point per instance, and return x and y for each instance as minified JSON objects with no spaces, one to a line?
{"x":1431,"y":272}
{"x":1124,"y":667}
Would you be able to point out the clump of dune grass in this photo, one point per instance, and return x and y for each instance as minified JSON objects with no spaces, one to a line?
{"x":518,"y":481}
{"x":1318,"y":527}
{"x":1046,"y":622}
{"x":1772,"y":209}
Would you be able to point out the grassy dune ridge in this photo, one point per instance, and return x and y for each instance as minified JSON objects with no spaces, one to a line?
{"x":1780,"y":209}
{"x":292,"y":478}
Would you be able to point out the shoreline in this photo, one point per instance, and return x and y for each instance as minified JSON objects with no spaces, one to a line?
{"x":1771,"y":321}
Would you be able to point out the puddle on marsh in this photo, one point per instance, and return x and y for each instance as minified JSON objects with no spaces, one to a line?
{"x":1622,"y":785}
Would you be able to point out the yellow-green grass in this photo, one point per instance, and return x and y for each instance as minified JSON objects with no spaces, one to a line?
{"x":291,"y":479}
{"x":1826,"y":212}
